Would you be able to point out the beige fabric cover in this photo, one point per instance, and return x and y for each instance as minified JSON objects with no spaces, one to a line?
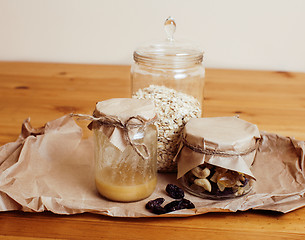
{"x":226,"y":134}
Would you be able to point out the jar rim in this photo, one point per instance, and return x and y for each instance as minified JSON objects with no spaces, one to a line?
{"x":170,"y":52}
{"x":171,"y":60}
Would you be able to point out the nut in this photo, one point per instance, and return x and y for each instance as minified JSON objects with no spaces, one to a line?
{"x":214,"y":177}
{"x":201,"y":173}
{"x":241,"y":177}
{"x":204,"y":183}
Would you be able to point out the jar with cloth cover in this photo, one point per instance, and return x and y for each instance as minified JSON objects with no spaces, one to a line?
{"x":125,"y":148}
{"x":215,"y":157}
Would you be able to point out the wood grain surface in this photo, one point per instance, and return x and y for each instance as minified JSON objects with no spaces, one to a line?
{"x":275,"y":101}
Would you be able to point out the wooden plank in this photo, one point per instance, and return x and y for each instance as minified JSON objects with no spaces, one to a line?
{"x":275,"y":101}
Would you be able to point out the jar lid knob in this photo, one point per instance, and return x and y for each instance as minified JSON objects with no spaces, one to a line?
{"x":170,"y":28}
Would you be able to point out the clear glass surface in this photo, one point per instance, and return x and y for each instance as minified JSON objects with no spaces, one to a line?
{"x":125,"y":176}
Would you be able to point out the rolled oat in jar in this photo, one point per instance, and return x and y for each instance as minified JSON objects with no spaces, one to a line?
{"x":215,"y":157}
{"x":171,"y":73}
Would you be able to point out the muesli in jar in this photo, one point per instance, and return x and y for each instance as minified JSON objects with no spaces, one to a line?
{"x":174,"y":110}
{"x":215,"y":157}
{"x":171,"y":73}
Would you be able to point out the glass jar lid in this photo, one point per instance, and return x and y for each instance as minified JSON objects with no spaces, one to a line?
{"x":170,"y":50}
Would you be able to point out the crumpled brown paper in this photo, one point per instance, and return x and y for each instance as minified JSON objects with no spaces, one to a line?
{"x":52,"y":169}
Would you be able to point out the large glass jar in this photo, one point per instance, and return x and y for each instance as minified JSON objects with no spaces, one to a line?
{"x":125,"y":149}
{"x":171,"y":74}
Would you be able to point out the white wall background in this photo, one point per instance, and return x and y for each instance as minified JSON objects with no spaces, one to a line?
{"x":239,"y":34}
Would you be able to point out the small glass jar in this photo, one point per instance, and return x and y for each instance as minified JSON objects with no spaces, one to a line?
{"x":170,"y":73}
{"x":216,"y":155}
{"x":125,"y":141}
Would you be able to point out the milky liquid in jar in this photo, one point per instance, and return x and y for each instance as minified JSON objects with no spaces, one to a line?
{"x":126,"y":171}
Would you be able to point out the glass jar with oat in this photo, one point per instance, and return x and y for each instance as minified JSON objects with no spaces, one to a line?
{"x":170,"y":73}
{"x":125,"y":148}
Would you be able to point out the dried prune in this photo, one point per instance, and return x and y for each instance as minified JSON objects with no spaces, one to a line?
{"x":178,"y":205}
{"x":187,"y":204}
{"x":173,"y":206}
{"x":154,"y":203}
{"x":174,"y":191}
{"x":158,"y":210}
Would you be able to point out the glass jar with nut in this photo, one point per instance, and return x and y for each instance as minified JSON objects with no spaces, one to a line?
{"x":171,"y":74}
{"x":215,"y":157}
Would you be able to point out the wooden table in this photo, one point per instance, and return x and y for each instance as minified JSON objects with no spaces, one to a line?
{"x":275,"y":101}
